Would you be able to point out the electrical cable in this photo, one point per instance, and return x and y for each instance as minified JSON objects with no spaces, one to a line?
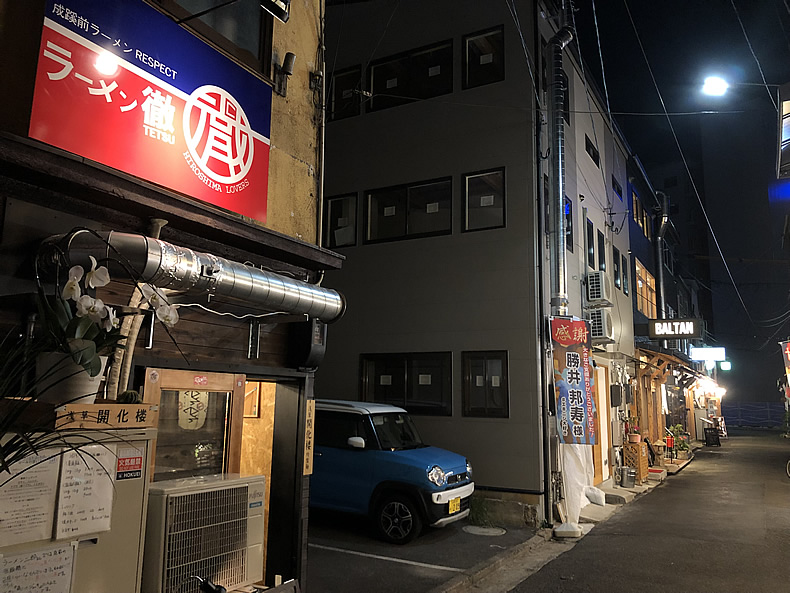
{"x":754,"y":55}
{"x":511,"y":4}
{"x":685,"y":163}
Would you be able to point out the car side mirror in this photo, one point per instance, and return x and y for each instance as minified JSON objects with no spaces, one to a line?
{"x":356,"y":442}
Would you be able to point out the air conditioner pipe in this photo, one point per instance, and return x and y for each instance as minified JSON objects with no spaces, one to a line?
{"x":169,"y":266}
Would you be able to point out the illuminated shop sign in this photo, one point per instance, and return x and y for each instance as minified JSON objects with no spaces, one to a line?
{"x":121,"y":84}
{"x":713,"y":354}
{"x":672,"y":329}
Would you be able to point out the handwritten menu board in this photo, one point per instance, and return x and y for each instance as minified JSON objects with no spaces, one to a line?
{"x":43,"y":571}
{"x":27,"y":499}
{"x":85,"y":495}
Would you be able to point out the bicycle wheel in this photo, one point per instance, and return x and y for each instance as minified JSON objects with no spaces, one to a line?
{"x":787,"y":468}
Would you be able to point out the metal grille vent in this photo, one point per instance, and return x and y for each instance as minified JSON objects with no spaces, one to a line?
{"x":206,"y":536}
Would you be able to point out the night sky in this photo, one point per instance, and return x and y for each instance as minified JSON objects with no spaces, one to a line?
{"x":686,"y":40}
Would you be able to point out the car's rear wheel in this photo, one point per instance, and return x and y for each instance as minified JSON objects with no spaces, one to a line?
{"x":397,"y":519}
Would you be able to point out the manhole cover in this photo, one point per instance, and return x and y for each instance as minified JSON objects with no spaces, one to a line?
{"x":476,"y":530}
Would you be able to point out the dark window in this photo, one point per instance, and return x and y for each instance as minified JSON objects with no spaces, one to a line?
{"x":340,"y":222}
{"x":419,"y":74}
{"x":601,"y":252}
{"x":671,"y":181}
{"x":616,"y":266}
{"x":484,"y":57}
{"x":344,"y":94}
{"x":415,"y":210}
{"x":485,"y":386}
{"x":568,"y":224}
{"x":592,"y":151}
{"x":617,"y":188}
{"x":626,"y":287}
{"x":485,"y":200}
{"x":590,"y":244}
{"x":243,"y":29}
{"x":333,"y":429}
{"x":418,"y":382}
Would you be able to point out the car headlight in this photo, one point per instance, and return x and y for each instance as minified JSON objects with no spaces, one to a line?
{"x":436,"y":475}
{"x":468,"y":469}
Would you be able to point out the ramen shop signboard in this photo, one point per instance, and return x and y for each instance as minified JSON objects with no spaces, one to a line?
{"x":119,"y":83}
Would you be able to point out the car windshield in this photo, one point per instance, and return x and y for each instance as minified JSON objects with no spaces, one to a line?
{"x":397,"y":431}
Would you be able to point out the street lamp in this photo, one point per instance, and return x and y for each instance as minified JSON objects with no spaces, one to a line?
{"x":715,"y":86}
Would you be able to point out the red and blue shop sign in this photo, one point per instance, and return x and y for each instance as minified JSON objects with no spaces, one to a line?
{"x":120,"y":83}
{"x":577,"y":421}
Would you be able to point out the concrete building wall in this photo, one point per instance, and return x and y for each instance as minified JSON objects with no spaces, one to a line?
{"x":464,"y":291}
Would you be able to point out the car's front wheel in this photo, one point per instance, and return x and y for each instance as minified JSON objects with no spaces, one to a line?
{"x":397,"y":519}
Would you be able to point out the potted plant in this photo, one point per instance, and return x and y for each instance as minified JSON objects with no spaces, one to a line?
{"x":76,"y":326}
{"x":632,"y":429}
{"x":79,"y":330}
{"x":681,"y":441}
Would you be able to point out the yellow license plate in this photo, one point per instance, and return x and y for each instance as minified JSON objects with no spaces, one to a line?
{"x":455,"y":505}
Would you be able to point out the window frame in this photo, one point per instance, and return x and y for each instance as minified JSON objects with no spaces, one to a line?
{"x":465,"y":84}
{"x":617,"y":188}
{"x":625,"y":272}
{"x":601,"y":251}
{"x":590,"y":239}
{"x":466,"y":177}
{"x":406,"y":361}
{"x":645,"y":291}
{"x":328,"y":230}
{"x":568,"y":213}
{"x":467,"y":359}
{"x":592,"y":151}
{"x":616,"y":267}
{"x":405,"y":62}
{"x":356,"y":103}
{"x":405,"y":203}
{"x":260,"y":64}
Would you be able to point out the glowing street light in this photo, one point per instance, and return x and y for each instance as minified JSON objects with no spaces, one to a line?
{"x":725,"y":365}
{"x":715,"y":86}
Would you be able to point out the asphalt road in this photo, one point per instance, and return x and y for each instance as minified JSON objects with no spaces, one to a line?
{"x":721,"y":526}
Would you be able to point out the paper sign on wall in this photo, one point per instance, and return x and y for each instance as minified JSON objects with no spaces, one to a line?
{"x":27,"y":501}
{"x":41,"y":571}
{"x":86,"y":491}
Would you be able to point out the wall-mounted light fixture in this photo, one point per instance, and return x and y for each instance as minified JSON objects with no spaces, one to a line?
{"x":279,"y":8}
{"x":282,"y":73}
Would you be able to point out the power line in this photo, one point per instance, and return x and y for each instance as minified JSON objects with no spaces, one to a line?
{"x":754,"y":55}
{"x":685,"y":161}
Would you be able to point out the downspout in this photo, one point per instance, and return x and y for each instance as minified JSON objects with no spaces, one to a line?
{"x":322,"y":130}
{"x":661,"y":225}
{"x":557,"y":87}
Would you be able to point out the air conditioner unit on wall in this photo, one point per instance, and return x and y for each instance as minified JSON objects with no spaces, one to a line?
{"x":599,"y":289}
{"x":601,"y":328}
{"x":210,"y":527}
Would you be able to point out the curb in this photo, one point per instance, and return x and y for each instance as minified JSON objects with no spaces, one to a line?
{"x":481,"y":570}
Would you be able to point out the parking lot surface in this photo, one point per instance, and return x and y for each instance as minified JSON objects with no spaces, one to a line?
{"x":344,"y":557}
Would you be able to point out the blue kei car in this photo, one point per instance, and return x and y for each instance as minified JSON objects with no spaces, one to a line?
{"x":370,"y":460}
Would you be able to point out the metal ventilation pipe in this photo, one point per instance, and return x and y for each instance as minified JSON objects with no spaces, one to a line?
{"x":558,"y":85}
{"x":165,"y":265}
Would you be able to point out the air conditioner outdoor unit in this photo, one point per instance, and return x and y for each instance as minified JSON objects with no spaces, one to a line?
{"x":599,"y":289}
{"x":210,"y":527}
{"x":601,"y":328}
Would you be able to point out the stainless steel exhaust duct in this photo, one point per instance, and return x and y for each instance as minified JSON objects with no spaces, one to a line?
{"x":165,"y":265}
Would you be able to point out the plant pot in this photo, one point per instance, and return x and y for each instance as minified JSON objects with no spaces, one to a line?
{"x":634,"y":438}
{"x":60,"y":380}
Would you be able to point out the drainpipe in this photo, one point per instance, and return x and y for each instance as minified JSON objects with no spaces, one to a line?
{"x":661,"y":225}
{"x":557,"y":87}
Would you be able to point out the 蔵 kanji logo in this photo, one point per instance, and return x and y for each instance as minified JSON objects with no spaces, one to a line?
{"x":218,"y":135}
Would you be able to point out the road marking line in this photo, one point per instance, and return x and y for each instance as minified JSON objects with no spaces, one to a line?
{"x":376,"y":556}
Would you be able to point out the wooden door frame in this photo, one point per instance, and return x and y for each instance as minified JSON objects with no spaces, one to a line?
{"x":157,"y":379}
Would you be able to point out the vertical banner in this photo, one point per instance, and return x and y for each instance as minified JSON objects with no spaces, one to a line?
{"x":577,"y":419}
{"x":786,"y":358}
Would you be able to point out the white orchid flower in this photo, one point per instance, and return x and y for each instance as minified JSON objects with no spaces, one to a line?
{"x":72,"y":289}
{"x":92,"y":308}
{"x":110,"y":322}
{"x":97,"y":277}
{"x":153,"y":296}
{"x":167,"y":314}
